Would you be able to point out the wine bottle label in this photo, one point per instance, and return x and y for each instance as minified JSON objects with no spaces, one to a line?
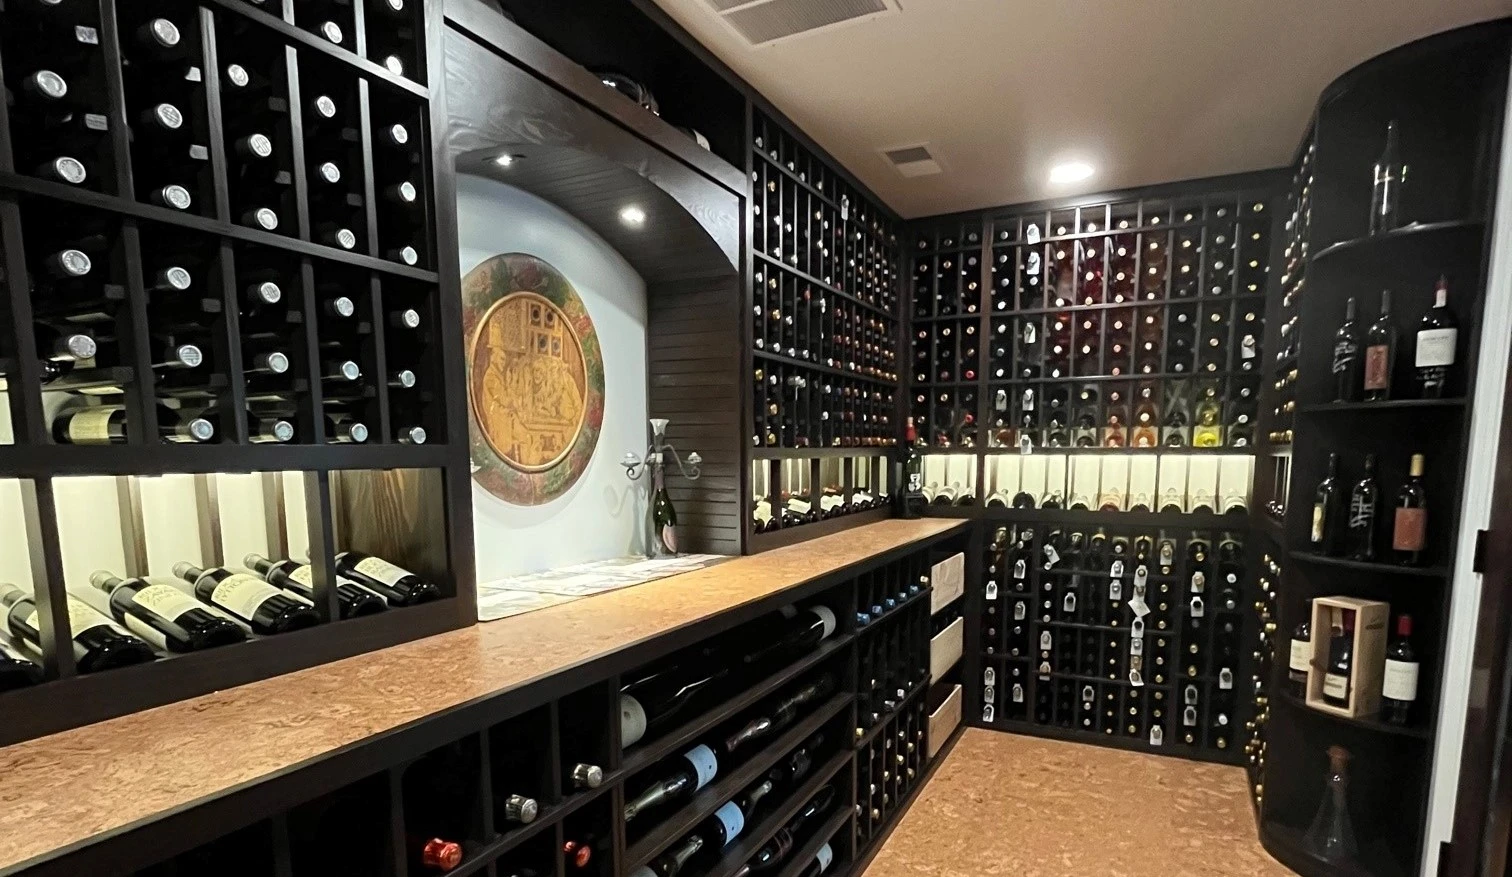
{"x":1018,"y":693}
{"x":824,"y":857}
{"x":798,"y":505}
{"x":1409,"y":529}
{"x":382,"y":570}
{"x":1377,"y":367}
{"x":81,"y":617}
{"x":1435,"y":347}
{"x":1020,"y":570}
{"x":1020,"y":611}
{"x":1401,"y":680}
{"x":1336,"y":686}
{"x":705,"y":765}
{"x":733,"y":821}
{"x":1301,"y":655}
{"x":304,"y":575}
{"x":1319,"y":512}
{"x":166,"y":601}
{"x":242,"y":595}
{"x":1344,"y":356}
{"x":90,"y":426}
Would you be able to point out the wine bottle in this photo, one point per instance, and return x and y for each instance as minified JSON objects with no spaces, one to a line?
{"x":713,"y":835}
{"x":1326,"y":508}
{"x":913,"y":475}
{"x":1346,"y":357}
{"x":1380,"y":353}
{"x":1437,"y":338}
{"x":793,"y":632}
{"x":781,"y":714}
{"x":344,"y":429}
{"x":1386,"y":184}
{"x":165,"y":616}
{"x":578,"y":851}
{"x":1339,"y":677}
{"x":665,"y":691}
{"x":663,"y":515}
{"x":680,"y":779}
{"x":265,"y":608}
{"x":586,"y":776}
{"x":437,"y":854}
{"x":821,"y":863}
{"x":98,"y":642}
{"x":299,"y":578}
{"x":1300,"y":663}
{"x":397,"y":585}
{"x":1364,"y":507}
{"x":16,"y":669}
{"x":1400,"y":683}
{"x":771,"y":854}
{"x":1410,"y":526}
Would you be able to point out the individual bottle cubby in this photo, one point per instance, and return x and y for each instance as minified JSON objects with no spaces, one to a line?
{"x":55,"y":79}
{"x":792,"y":492}
{"x":331,"y":112}
{"x":889,"y":767}
{"x":443,"y":799}
{"x":893,"y":642}
{"x":332,"y":20}
{"x":950,"y":480}
{"x":1130,"y":633}
{"x":394,"y":30}
{"x":249,"y":852}
{"x":401,"y":154}
{"x":359,"y":815}
{"x":587,"y":847}
{"x":824,"y":305}
{"x":258,"y":130}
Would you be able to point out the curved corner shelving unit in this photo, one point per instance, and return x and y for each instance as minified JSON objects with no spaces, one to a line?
{"x":1445,"y":95}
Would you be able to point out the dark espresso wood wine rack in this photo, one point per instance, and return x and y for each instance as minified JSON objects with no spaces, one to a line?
{"x":858,"y":750}
{"x":235,"y":202}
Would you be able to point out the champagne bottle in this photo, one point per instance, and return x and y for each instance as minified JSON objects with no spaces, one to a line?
{"x":98,"y":642}
{"x":1437,"y":339}
{"x":164,"y":615}
{"x":680,"y":779}
{"x":790,"y":633}
{"x":1346,"y":357}
{"x":663,"y":515}
{"x":666,"y":691}
{"x":266,"y":609}
{"x":298,"y":578}
{"x":1364,"y":505}
{"x":781,"y":714}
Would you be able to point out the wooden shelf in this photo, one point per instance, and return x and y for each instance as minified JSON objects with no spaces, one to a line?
{"x":1414,"y":233}
{"x":1368,"y":723}
{"x":1409,"y":405}
{"x":1289,"y":846}
{"x":740,"y":852}
{"x":803,"y":856}
{"x":827,"y":287}
{"x":821,"y":453}
{"x":822,"y":368}
{"x":1387,"y":569}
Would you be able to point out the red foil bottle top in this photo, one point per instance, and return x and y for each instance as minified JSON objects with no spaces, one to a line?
{"x":442,"y":854}
{"x":579,"y":854}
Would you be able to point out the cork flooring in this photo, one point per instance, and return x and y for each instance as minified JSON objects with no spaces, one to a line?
{"x":1003,"y":804}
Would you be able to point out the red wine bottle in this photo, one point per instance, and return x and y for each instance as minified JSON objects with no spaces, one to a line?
{"x":16,"y":670}
{"x":1437,"y":339}
{"x":165,"y":616}
{"x":1399,"y":686}
{"x":1326,"y":522}
{"x":1338,"y":681}
{"x":1301,"y":653}
{"x":266,"y":609}
{"x":1364,"y":506}
{"x":298,"y":578}
{"x":1346,"y":357}
{"x":664,"y":691}
{"x":397,"y":585}
{"x":99,"y":644}
{"x":792,"y":633}
{"x":1410,"y":526}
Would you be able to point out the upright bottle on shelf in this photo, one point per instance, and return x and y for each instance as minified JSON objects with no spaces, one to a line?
{"x":1338,"y":680}
{"x":1380,"y":353}
{"x":1364,"y":508}
{"x":1346,"y":357}
{"x":1410,"y":526}
{"x":1400,"y":682}
{"x":1386,"y":184}
{"x":1300,"y":663}
{"x":913,"y":474}
{"x":1327,"y":505}
{"x":1437,"y":338}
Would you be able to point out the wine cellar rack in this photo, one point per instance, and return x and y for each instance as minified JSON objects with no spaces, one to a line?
{"x":539,"y":783}
{"x":1130,"y":637}
{"x":221,"y":253}
{"x":824,"y":317}
{"x":1135,"y":324}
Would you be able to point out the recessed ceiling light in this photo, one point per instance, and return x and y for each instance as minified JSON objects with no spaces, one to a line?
{"x":1070,"y":172}
{"x":633,"y":215}
{"x":506,"y":160}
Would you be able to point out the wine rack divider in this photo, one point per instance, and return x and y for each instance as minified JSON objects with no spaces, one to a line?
{"x":67,"y":698}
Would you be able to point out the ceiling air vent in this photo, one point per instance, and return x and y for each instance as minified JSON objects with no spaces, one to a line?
{"x":764,"y":22}
{"x":913,"y":161}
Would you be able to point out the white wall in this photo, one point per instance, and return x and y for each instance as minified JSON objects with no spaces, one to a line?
{"x":601,"y":515}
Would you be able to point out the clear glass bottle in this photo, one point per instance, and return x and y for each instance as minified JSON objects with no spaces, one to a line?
{"x":1331,"y":836}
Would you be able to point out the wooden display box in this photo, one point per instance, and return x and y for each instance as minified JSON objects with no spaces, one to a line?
{"x":948,"y":579}
{"x":945,"y":648}
{"x":1368,"y":664}
{"x":944,"y":720}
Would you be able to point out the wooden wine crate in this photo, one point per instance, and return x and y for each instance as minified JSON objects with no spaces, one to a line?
{"x":945,"y":648}
{"x":948,"y":578}
{"x":1368,"y":665}
{"x":943,"y":721}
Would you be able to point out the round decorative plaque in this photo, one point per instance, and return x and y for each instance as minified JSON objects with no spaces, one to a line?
{"x":535,"y":378}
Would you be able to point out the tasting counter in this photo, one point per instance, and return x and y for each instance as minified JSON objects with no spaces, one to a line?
{"x":132,"y":791}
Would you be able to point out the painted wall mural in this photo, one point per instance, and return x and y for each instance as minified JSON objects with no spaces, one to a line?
{"x":535,"y":378}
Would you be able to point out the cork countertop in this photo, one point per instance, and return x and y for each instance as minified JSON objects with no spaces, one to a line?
{"x":1004,"y":804}
{"x":63,"y":790}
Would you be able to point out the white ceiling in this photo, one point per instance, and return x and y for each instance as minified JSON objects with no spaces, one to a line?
{"x":1148,"y":91}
